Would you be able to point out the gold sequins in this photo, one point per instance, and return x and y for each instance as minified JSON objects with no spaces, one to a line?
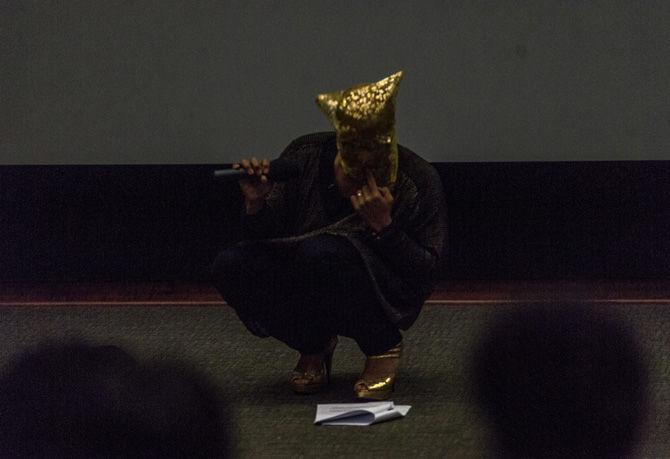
{"x":364,"y":120}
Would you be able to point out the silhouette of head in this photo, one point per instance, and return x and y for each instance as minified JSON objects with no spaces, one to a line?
{"x":560,"y":381}
{"x":79,"y":400}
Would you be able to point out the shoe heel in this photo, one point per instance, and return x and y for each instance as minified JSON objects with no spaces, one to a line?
{"x":308,"y":382}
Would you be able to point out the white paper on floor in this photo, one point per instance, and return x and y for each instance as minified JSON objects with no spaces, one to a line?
{"x":358,"y":414}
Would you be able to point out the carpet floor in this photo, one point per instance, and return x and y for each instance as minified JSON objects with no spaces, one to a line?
{"x":270,"y":421}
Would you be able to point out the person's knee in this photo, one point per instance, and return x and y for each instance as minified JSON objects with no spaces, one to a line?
{"x":325,"y":249}
{"x":228,"y":263}
{"x":327,"y":257}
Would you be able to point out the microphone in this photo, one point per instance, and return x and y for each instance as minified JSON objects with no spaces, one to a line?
{"x":280,"y":171}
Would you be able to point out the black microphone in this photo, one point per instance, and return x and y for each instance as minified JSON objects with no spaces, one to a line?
{"x":280,"y":171}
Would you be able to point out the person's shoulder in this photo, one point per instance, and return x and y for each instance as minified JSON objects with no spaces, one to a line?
{"x":416,"y":167}
{"x":309,"y":143}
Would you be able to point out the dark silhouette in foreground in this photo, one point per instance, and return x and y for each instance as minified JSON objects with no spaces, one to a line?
{"x":561,"y":381}
{"x":79,"y":400}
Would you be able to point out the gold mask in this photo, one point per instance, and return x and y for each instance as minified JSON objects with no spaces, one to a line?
{"x":364,"y":120}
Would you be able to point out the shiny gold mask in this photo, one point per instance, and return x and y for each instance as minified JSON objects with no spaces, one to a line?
{"x":364,"y":120}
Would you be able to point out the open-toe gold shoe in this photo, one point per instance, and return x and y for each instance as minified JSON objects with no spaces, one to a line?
{"x":378,"y":379}
{"x":311,"y":381}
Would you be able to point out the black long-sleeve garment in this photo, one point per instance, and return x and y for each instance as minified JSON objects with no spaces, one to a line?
{"x":401,"y":260}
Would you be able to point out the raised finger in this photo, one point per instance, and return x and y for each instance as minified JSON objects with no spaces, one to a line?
{"x":266,"y":166}
{"x":372,"y":183}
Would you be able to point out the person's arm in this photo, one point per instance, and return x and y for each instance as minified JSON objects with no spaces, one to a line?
{"x":259,"y":221}
{"x":405,"y":255}
{"x":265,"y":213}
{"x":414,"y":250}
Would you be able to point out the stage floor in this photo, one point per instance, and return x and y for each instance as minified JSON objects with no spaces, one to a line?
{"x":268,"y":420}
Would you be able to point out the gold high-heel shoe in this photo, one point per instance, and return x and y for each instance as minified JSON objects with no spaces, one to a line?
{"x":309,"y":381}
{"x":378,"y":379}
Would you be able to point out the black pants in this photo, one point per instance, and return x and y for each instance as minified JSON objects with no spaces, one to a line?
{"x":305,"y":297}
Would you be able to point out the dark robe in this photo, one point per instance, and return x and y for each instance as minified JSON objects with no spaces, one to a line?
{"x":401,"y":261}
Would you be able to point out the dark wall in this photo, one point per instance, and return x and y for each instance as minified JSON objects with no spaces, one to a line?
{"x":506,"y":220}
{"x":112,"y":222}
{"x":558,"y":219}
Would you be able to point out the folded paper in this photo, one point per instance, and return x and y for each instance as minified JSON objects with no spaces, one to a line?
{"x":358,"y":414}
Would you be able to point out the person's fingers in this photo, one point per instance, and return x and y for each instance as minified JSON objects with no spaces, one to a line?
{"x":264,"y":179}
{"x":386,"y":194}
{"x":258,"y":170}
{"x":247,"y":166}
{"x":236,"y":165}
{"x":358,"y":194}
{"x":367,"y":193}
{"x":354,"y":202}
{"x":372,"y":183}
{"x":266,"y":166}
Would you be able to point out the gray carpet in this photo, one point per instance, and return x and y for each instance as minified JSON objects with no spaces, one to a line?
{"x":272,"y":422}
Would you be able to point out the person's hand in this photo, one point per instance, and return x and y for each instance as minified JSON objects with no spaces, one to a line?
{"x":257,"y":185}
{"x":373,"y":204}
